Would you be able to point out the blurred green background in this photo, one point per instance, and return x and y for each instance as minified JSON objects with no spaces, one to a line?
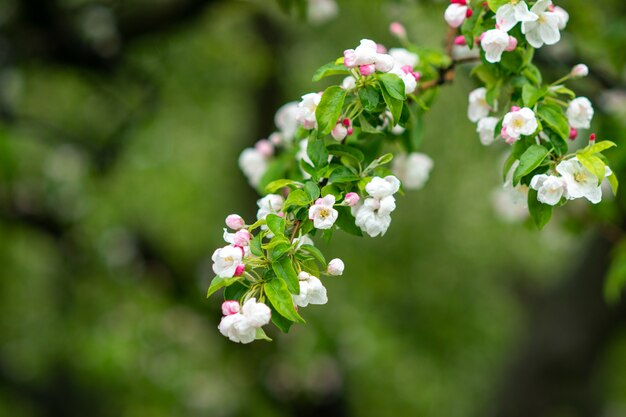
{"x":122,"y":121}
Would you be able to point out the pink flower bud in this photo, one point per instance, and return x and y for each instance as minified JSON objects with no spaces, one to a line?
{"x":515,"y":108}
{"x":461,"y":2}
{"x":339,"y":132}
{"x":230,"y":307}
{"x":512,"y":44}
{"x":407,"y":69}
{"x":346,"y":122}
{"x":460,"y":40}
{"x":380,"y":48}
{"x":242,"y":238}
{"x":508,"y":139}
{"x":416,"y":75}
{"x":551,"y":7}
{"x":352,"y":199}
{"x":235,"y":221}
{"x":265,"y":148}
{"x":239,"y":270}
{"x":276,"y":139}
{"x":349,"y":58}
{"x":592,"y":137}
{"x":397,"y":29}
{"x":573,"y":133}
{"x":469,"y":13}
{"x":350,"y":131}
{"x":367,"y":69}
{"x":579,"y":71}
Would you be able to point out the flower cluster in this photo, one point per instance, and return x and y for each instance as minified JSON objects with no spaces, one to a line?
{"x":327,"y":167}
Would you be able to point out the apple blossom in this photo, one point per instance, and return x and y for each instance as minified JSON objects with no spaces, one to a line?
{"x":478,"y":107}
{"x":364,"y":54}
{"x":253,"y":164}
{"x":413,"y":169}
{"x":403,"y":57}
{"x":545,"y":29}
{"x":549,"y":188}
{"x":306,"y":110}
{"x":235,"y":221}
{"x":580,"y":182}
{"x":348,"y":83}
{"x":579,"y":113}
{"x":321,"y":11}
{"x":226,"y":260}
{"x":312,"y":291}
{"x":368,"y":69}
{"x":519,"y":122}
{"x":456,"y":14}
{"x":510,"y":14}
{"x":271,"y":203}
{"x":373,"y":216}
{"x":486,"y":130}
{"x":264,"y":147}
{"x":286,"y":120}
{"x":397,"y":29}
{"x":382,"y":187}
{"x":579,"y":71}
{"x":335,"y":267}
{"x":562,"y":15}
{"x":351,"y":199}
{"x":241,"y":327}
{"x":302,"y":240}
{"x":494,"y":42}
{"x":383,"y":62}
{"x":339,"y":132}
{"x":322,"y":212}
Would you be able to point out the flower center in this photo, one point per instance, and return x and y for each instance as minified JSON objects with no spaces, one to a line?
{"x":518,"y":123}
{"x":324,"y":213}
{"x":580,"y":177}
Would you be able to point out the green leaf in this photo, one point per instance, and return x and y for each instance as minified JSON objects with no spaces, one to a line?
{"x":369,"y":97}
{"x":278,"y":251}
{"x":493,"y":93}
{"x":539,"y":212}
{"x":393,"y":85}
{"x":317,"y":152}
{"x":296,"y":198}
{"x":616,"y":277}
{"x":219,"y":282}
{"x":394,"y":104}
{"x":279,"y":296}
{"x":260,"y":335}
{"x":530,"y":94}
{"x":279,"y":321}
{"x":367,"y":127}
{"x":312,"y":190}
{"x":495,"y":4}
{"x":342,"y":174}
{"x":530,"y":159}
{"x":346,"y":151}
{"x":565,"y":91}
{"x":345,"y":221}
{"x":601,"y":146}
{"x":274,"y":186}
{"x":255,"y":245}
{"x":553,"y":116}
{"x":285,"y":271}
{"x":559,"y":144}
{"x":532,"y":74}
{"x":315,"y":252}
{"x":486,"y":73}
{"x":275,"y":223}
{"x":235,"y":291}
{"x":614,"y":182}
{"x":329,"y":109}
{"x":332,"y":68}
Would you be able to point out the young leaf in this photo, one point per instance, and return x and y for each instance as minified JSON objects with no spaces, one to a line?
{"x":530,"y":159}
{"x":369,"y":97}
{"x":312,"y":190}
{"x":495,"y":4}
{"x":255,"y":245}
{"x":284,"y":270}
{"x":614,"y":182}
{"x":394,"y":104}
{"x":393,"y":85}
{"x":280,"y":297}
{"x":539,"y":212}
{"x":275,"y":223}
{"x":278,"y":251}
{"x":274,"y":186}
{"x":317,"y":152}
{"x":315,"y":252}
{"x":219,"y":282}
{"x":553,"y":116}
{"x":296,"y":198}
{"x":347,"y":151}
{"x":593,"y":164}
{"x":279,"y":321}
{"x":342,"y":174}
{"x":260,"y":335}
{"x":331,"y":68}
{"x":329,"y":109}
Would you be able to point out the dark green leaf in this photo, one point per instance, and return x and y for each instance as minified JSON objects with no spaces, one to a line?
{"x":553,"y":116}
{"x":317,"y":152}
{"x":369,"y":97}
{"x":393,"y":85}
{"x":284,"y":270}
{"x":279,"y":296}
{"x":345,"y":221}
{"x":235,"y":291}
{"x":342,"y":174}
{"x":278,"y":251}
{"x":530,"y":159}
{"x":539,"y":212}
{"x":328,"y":111}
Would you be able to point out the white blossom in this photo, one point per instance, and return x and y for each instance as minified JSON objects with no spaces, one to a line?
{"x":253,"y":164}
{"x":241,"y":327}
{"x":383,"y":62}
{"x":271,"y":203}
{"x":455,"y":14}
{"x":519,"y":122}
{"x":348,"y":83}
{"x":494,"y":42}
{"x":364,"y":54}
{"x":413,"y":169}
{"x":226,"y":260}
{"x":306,"y":110}
{"x":580,"y":181}
{"x":322,"y":212}
{"x":404,"y":57}
{"x":286,"y":120}
{"x":382,"y":187}
{"x":373,"y":216}
{"x":562,"y":15}
{"x":335,"y":267}
{"x":549,"y":188}
{"x":478,"y":107}
{"x":544,"y":29}
{"x":321,"y":11}
{"x":312,"y":291}
{"x":508,"y":15}
{"x":579,"y":113}
{"x":486,"y":130}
